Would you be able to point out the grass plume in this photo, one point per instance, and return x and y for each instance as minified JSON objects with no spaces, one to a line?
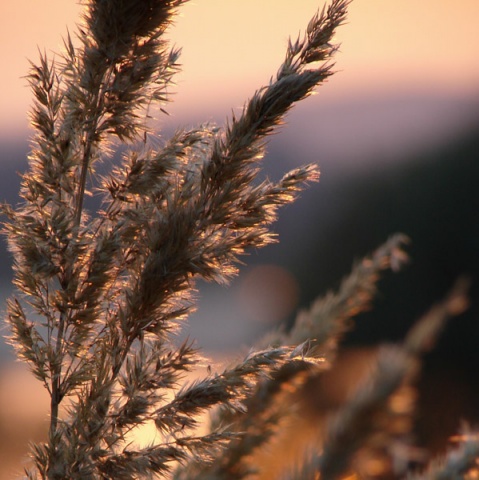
{"x":101,"y":295}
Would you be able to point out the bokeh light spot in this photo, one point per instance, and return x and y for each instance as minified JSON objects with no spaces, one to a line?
{"x":268,"y":293}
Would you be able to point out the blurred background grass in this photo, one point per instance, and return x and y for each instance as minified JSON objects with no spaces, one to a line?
{"x":396,"y":135}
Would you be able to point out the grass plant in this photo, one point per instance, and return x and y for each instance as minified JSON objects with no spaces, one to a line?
{"x":101,"y":295}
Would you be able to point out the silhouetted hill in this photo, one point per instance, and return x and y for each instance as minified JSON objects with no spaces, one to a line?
{"x":435,"y":201}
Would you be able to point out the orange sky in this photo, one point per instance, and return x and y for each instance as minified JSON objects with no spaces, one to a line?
{"x":230,"y":47}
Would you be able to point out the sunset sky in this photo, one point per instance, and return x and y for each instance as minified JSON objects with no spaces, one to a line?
{"x":230,"y":47}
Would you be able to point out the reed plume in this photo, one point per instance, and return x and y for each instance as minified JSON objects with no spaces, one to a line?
{"x":101,"y":295}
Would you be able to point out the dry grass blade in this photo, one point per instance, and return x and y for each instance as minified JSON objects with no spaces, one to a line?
{"x":329,"y":317}
{"x":322,"y":328}
{"x":370,"y":412}
{"x":459,"y":462}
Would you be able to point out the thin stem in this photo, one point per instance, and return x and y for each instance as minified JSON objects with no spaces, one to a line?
{"x":90,"y":136}
{"x":56,"y":396}
{"x":83,"y":176}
